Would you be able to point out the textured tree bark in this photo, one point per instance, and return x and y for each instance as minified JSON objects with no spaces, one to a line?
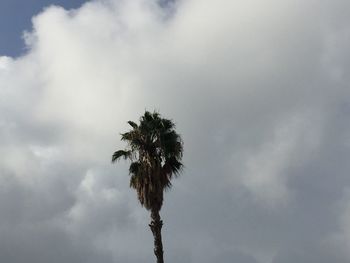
{"x":156,"y":228}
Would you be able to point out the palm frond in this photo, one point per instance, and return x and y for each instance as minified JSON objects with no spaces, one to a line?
{"x":133,"y":181}
{"x":133,"y":124}
{"x":167,"y":124}
{"x":133,"y":138}
{"x":172,"y":166}
{"x":127,"y":136}
{"x":134,"y":168}
{"x":121,"y":153}
{"x":171,"y":144}
{"x":155,"y":151}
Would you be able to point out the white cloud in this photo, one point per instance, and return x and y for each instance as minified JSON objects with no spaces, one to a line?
{"x":259,"y":92}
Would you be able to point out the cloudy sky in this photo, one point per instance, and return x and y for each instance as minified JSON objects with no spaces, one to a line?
{"x":259,"y":91}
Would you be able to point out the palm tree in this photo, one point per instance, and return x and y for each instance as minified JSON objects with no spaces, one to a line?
{"x":155,"y":151}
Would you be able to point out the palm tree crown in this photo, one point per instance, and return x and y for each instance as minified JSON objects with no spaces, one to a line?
{"x":155,"y":151}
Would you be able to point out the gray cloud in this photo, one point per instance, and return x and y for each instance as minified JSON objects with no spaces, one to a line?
{"x":259,"y":92}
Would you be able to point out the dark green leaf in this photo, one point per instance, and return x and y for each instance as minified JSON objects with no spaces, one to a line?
{"x":121,"y":153}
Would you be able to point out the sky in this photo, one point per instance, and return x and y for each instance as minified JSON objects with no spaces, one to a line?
{"x":259,"y":92}
{"x":15,"y":19}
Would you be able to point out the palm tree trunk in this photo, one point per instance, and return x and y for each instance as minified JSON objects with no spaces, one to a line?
{"x":156,"y":227}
